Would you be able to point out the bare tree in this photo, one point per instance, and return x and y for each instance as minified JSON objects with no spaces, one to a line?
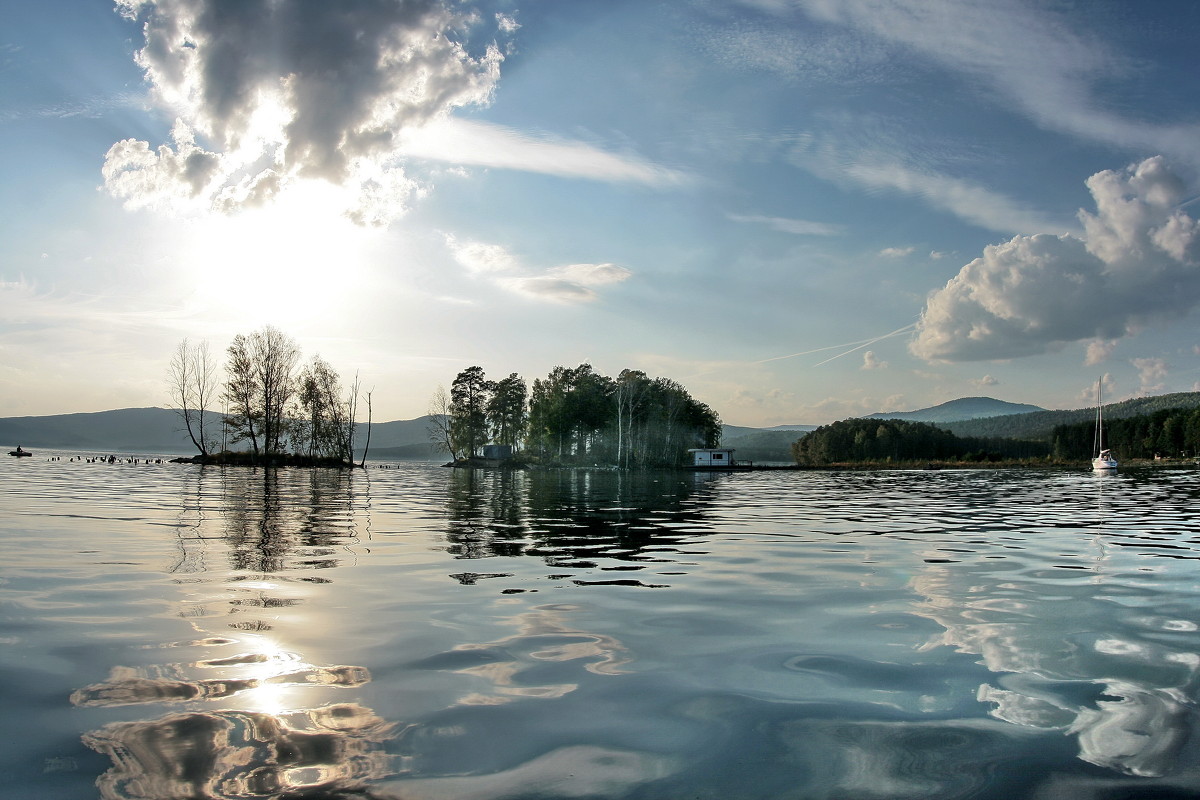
{"x":439,"y":423}
{"x":367,"y":444}
{"x":191,"y":383}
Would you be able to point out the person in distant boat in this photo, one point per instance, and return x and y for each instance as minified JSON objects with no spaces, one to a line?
{"x":20,"y":451}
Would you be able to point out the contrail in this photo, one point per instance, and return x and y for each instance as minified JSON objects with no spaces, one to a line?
{"x":852,"y":345}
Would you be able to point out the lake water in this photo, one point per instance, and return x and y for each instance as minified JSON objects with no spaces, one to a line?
{"x":172,"y":631}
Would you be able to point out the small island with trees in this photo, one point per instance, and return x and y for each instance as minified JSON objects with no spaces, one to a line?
{"x":289,"y":415}
{"x":574,"y":416}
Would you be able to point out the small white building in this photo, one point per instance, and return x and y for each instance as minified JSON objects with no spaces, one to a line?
{"x":712,"y":456}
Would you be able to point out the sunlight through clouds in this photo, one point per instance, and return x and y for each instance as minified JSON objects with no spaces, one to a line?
{"x":246,"y":78}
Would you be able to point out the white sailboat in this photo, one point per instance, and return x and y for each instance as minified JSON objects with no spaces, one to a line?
{"x":1103,"y":461}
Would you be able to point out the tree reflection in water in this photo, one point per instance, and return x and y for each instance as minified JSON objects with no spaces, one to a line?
{"x":275,"y":531}
{"x":573,"y":518}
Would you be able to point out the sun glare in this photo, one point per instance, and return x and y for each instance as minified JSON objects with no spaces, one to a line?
{"x":285,"y":263}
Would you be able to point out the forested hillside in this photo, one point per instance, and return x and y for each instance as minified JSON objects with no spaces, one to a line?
{"x":1041,"y":424}
{"x":898,"y":441}
{"x":1169,"y":433}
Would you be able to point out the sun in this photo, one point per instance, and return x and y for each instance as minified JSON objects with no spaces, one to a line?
{"x":290,"y":262}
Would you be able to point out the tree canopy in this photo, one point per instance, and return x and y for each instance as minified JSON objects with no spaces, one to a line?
{"x":576,"y":415}
{"x":899,"y":441}
{"x":1170,"y":432}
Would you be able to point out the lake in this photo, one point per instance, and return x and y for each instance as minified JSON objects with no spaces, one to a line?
{"x":176,"y":631}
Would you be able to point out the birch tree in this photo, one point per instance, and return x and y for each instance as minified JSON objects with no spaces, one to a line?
{"x":192,"y":385}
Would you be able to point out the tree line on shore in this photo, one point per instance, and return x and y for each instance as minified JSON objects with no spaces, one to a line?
{"x":574,"y":415}
{"x":284,"y":410}
{"x":900,"y":441}
{"x":1169,"y":433}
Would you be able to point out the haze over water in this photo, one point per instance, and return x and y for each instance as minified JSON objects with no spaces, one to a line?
{"x":175,"y":631}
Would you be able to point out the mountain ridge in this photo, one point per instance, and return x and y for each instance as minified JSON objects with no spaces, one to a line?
{"x":963,"y":408}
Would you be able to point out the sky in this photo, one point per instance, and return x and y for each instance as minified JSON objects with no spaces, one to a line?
{"x":801,"y":210}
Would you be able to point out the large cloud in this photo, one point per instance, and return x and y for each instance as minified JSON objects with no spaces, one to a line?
{"x":1139,"y":259}
{"x":280,"y":89}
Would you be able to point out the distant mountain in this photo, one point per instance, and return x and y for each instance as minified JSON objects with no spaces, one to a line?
{"x":963,"y":408}
{"x":160,"y":430}
{"x":737,"y":431}
{"x":145,"y":430}
{"x":763,"y":445}
{"x":1040,"y":424}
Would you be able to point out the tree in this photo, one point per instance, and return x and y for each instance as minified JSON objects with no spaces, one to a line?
{"x":274,"y":357}
{"x":506,"y":411}
{"x":260,"y":381}
{"x":469,"y":396}
{"x":241,"y":395}
{"x":631,"y":392}
{"x":192,"y":386}
{"x":439,"y":423}
{"x":327,"y":419}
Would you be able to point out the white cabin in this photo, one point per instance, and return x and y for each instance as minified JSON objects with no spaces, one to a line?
{"x":712,"y":456}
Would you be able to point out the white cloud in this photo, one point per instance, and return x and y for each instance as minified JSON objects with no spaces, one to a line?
{"x":896,"y":252}
{"x":986,"y":380}
{"x":800,"y":227}
{"x":870,"y":361}
{"x":1152,"y":375}
{"x":286,"y":90}
{"x":1138,"y":260}
{"x":488,"y":145}
{"x":963,"y":199}
{"x":836,"y":158}
{"x":179,"y":174}
{"x":482,"y":258}
{"x":573,"y":283}
{"x":1099,"y":351}
{"x":507,"y":23}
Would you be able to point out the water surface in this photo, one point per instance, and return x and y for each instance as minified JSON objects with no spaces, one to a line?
{"x":175,"y":631}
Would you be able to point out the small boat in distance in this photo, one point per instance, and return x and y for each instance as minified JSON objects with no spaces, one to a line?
{"x":19,"y":452}
{"x":1103,"y":461}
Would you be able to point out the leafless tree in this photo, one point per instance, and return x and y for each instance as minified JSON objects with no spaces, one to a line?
{"x":192,"y":387}
{"x":439,"y":423}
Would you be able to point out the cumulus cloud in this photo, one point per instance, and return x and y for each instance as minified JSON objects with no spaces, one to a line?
{"x":1152,"y":375}
{"x":279,"y":90}
{"x":986,"y":380}
{"x":1137,"y":260}
{"x":573,"y":283}
{"x":1099,"y":351}
{"x":870,"y":361}
{"x":178,"y":172}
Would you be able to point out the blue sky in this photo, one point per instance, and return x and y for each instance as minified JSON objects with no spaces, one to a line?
{"x":802,"y":210}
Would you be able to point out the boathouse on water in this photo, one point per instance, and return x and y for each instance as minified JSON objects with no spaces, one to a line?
{"x":712,"y":456}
